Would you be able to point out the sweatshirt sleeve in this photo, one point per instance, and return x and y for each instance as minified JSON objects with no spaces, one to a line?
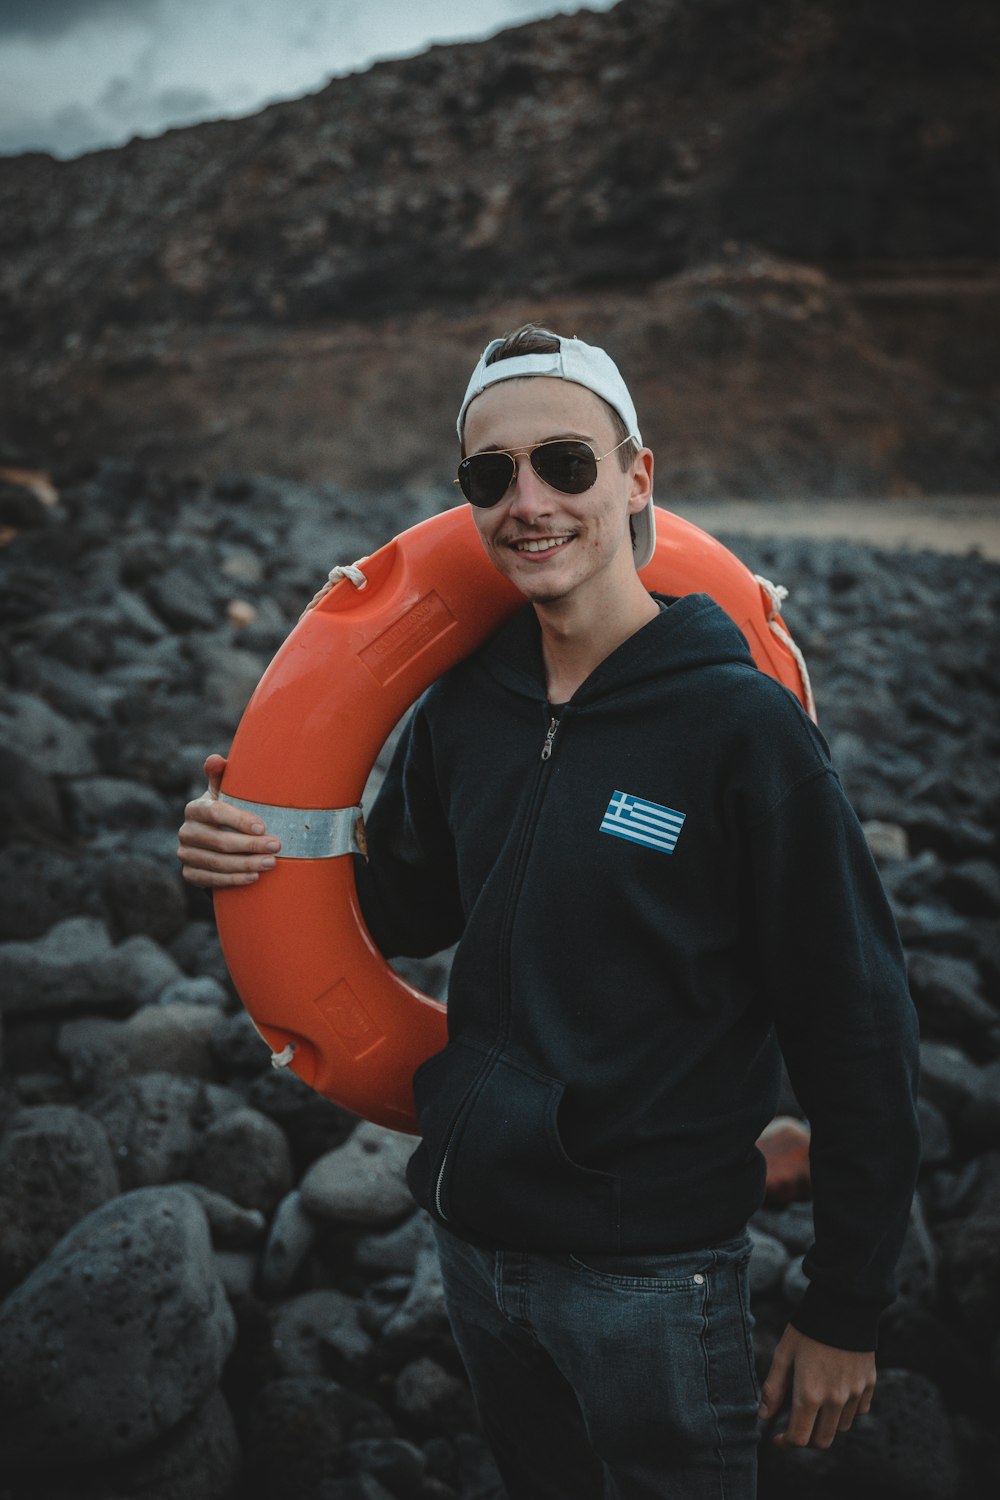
{"x":834,"y":972}
{"x":408,"y":888}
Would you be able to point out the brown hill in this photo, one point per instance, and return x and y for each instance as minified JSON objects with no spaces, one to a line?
{"x":234,"y":293}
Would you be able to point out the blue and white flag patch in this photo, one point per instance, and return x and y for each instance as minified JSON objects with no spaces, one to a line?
{"x":642,"y":822}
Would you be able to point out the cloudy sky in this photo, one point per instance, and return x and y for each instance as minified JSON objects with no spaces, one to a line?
{"x":79,"y":74}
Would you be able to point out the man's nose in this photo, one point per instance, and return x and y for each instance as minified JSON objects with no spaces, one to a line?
{"x":530,"y":497}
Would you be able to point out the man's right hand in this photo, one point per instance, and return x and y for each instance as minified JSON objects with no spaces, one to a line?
{"x":219,"y":844}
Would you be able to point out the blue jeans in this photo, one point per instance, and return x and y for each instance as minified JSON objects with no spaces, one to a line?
{"x":610,"y":1377}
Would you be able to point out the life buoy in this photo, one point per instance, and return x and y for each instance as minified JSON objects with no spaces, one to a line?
{"x":315,"y":985}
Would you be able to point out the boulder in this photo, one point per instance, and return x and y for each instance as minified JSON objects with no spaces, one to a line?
{"x":41,"y":887}
{"x":363,"y":1181}
{"x":162,"y":1039}
{"x":46,"y":739}
{"x":421,"y":1319}
{"x":903,"y":1450}
{"x":432,"y":1396}
{"x":143,"y":897}
{"x":318,"y":1333}
{"x":117,"y":1337}
{"x":245,"y":1156}
{"x":55,"y":1168}
{"x":155,"y":1123}
{"x":73,"y":965}
{"x":291,"y":1237}
{"x":298,"y":1429}
{"x":29,"y":802}
{"x":768,"y":1262}
{"x":101,"y":802}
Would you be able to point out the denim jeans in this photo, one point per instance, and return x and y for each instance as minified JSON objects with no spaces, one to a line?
{"x":610,"y":1377}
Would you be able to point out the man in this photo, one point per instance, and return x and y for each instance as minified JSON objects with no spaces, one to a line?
{"x":655,"y":878}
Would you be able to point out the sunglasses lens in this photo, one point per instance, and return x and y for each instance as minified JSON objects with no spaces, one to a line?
{"x":568,"y":466}
{"x":485,"y":477}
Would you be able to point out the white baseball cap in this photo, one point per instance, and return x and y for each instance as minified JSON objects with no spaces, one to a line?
{"x":583,"y":364}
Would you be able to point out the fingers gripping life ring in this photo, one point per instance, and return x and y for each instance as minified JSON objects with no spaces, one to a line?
{"x":316,"y":987}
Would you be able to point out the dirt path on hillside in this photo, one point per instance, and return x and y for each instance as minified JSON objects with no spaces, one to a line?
{"x":942,"y":525}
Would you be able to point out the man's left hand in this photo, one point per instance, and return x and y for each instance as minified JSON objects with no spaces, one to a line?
{"x":830,"y":1387}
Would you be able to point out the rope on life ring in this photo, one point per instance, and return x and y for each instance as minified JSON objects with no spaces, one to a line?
{"x":317,"y":989}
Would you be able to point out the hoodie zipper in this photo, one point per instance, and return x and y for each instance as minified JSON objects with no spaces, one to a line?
{"x":550,"y":735}
{"x":515,"y":885}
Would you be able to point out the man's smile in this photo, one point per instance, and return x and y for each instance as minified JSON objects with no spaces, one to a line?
{"x":538,"y":544}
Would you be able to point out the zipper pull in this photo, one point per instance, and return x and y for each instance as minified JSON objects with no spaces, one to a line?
{"x":550,"y":735}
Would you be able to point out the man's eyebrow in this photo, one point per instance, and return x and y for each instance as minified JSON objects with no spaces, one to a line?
{"x":556,"y":437}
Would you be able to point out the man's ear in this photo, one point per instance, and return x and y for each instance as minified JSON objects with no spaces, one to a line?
{"x":641,"y":479}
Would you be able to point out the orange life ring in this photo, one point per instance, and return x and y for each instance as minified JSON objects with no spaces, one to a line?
{"x":317,"y":988}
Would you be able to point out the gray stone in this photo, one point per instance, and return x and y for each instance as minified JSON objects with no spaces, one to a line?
{"x":887,"y":841}
{"x":903,"y":1450}
{"x":935,"y":1135}
{"x":106,"y":802}
{"x":973,"y":888}
{"x":145,"y":968}
{"x":398,"y":1465}
{"x":168,"y":1039}
{"x":297,"y":1431}
{"x":291,"y":1237}
{"x":118,"y":1336}
{"x":29,"y":802}
{"x":318,"y":1333}
{"x":195,"y":990}
{"x":768,"y":1262}
{"x":41,"y":887}
{"x":422,"y":1316}
{"x":74,"y":964}
{"x":155,"y":1123}
{"x":232,"y":1227}
{"x":980,"y":1119}
{"x":55,"y":1168}
{"x":795,"y":1281}
{"x":425,"y":1392}
{"x":399,"y":1248}
{"x":237,"y":1270}
{"x":245,"y":1156}
{"x":916,"y":1269}
{"x":183,"y":600}
{"x":948,"y":995}
{"x":239,"y":1046}
{"x":199,"y":1459}
{"x":46,"y":739}
{"x":948,"y":1078}
{"x":143,"y":897}
{"x":363,"y":1181}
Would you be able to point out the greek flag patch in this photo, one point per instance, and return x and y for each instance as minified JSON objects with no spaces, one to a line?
{"x":642,"y":822}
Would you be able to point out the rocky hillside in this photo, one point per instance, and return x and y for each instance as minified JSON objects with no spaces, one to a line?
{"x":595,"y":157}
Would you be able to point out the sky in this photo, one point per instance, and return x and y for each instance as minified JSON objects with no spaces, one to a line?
{"x":76,"y":75}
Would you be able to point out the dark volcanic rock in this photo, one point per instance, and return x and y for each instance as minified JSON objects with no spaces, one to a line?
{"x":55,"y":1167}
{"x":120,"y":1334}
{"x":155,"y":1123}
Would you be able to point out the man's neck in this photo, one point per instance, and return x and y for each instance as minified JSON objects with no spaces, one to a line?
{"x":578,"y":634}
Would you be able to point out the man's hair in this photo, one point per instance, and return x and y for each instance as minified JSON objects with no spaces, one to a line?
{"x":531,"y":338}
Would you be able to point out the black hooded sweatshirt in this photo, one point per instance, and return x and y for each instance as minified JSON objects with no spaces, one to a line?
{"x":654,"y":889}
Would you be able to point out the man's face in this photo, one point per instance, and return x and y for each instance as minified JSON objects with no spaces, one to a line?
{"x":550,"y":545}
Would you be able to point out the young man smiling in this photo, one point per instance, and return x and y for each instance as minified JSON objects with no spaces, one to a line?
{"x":654,"y":879}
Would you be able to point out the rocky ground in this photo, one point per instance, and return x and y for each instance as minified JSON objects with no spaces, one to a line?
{"x":213,"y":1283}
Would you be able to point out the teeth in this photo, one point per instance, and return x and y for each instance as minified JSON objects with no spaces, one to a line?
{"x":543,"y":546}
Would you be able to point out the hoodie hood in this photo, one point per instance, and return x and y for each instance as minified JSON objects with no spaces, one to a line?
{"x":688,"y":633}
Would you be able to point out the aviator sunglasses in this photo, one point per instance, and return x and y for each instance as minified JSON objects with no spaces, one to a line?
{"x":567,"y":465}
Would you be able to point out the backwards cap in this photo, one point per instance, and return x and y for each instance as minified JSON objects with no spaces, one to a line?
{"x":585,"y":365}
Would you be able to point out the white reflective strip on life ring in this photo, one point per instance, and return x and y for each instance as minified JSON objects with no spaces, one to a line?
{"x":309,"y":832}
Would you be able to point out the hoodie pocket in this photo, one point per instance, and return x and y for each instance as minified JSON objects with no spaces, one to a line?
{"x":502,"y":1171}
